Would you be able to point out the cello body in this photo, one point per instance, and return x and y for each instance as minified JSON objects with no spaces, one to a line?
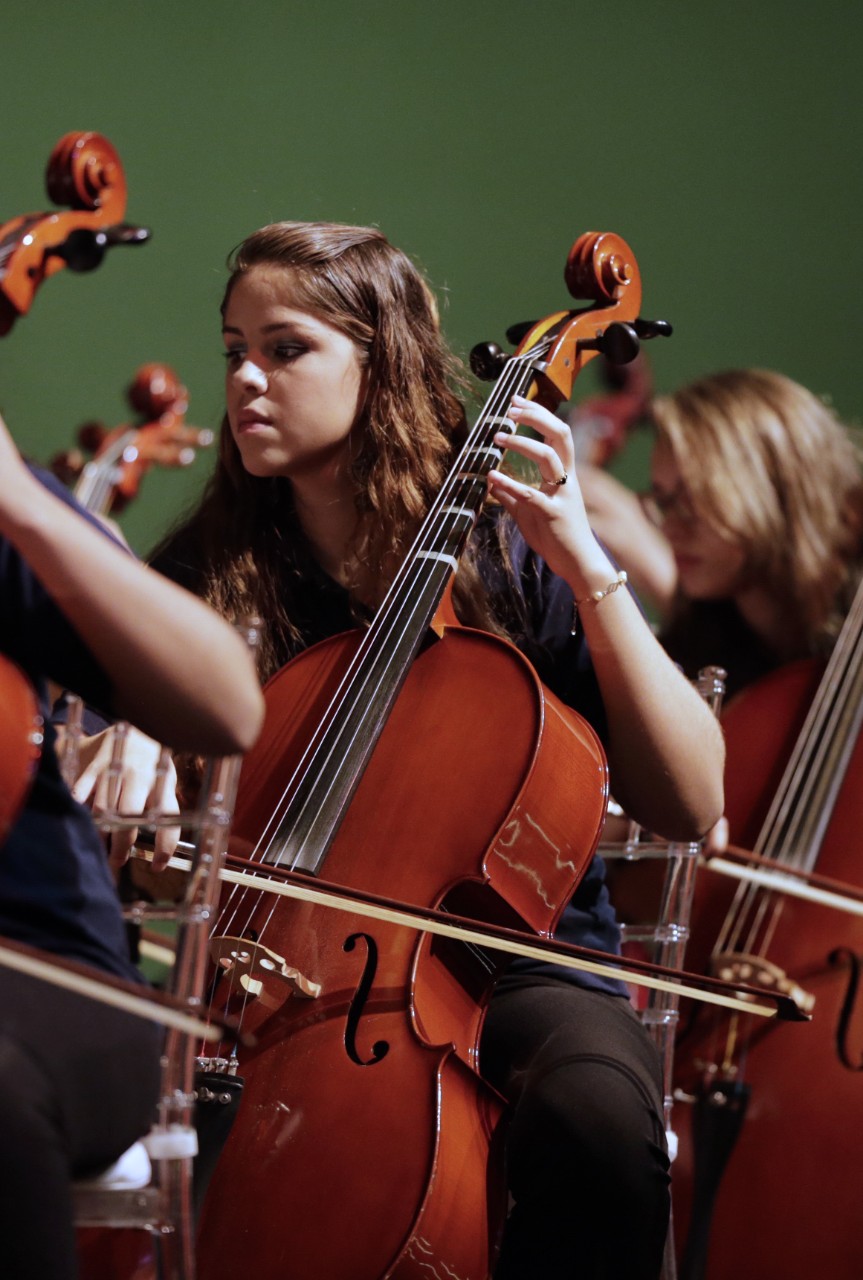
{"x":20,"y":742}
{"x":365,"y":1145}
{"x":789,"y":1201}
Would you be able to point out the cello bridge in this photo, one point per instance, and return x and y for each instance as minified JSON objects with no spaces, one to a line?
{"x":737,"y":966}
{"x":246,"y":965}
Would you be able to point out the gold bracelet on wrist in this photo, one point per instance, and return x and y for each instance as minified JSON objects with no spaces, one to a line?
{"x":596,"y":597}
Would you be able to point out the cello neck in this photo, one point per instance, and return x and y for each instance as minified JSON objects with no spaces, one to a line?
{"x":340,"y":749}
{"x":97,"y":484}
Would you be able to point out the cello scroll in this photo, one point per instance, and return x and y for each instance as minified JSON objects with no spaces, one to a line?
{"x":600,"y":267}
{"x":122,"y":455}
{"x":85,"y":173}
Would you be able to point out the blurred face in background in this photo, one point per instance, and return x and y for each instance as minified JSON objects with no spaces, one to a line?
{"x":710,"y":565}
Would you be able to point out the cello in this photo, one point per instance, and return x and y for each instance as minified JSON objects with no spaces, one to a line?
{"x":363,"y":1031}
{"x":85,"y":173}
{"x":105,"y":483}
{"x":20,"y":742}
{"x":768,"y":1181}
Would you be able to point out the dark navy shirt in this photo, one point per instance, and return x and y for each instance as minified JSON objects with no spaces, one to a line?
{"x":56,"y":890}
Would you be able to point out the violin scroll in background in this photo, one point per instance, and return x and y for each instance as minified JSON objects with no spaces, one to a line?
{"x":85,"y":173}
{"x":122,"y":456}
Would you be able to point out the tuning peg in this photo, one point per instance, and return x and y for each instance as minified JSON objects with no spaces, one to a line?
{"x":487,"y":360}
{"x":67,"y":466}
{"x":126,"y":233}
{"x":653,"y":329}
{"x":91,"y":435}
{"x":516,"y":332}
{"x":84,"y":249}
{"x":618,"y":343}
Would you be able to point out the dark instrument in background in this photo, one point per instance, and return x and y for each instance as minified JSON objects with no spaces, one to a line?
{"x":601,"y":424}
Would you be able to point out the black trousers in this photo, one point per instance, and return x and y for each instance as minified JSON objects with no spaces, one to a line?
{"x":587,"y":1167}
{"x":78,"y":1085}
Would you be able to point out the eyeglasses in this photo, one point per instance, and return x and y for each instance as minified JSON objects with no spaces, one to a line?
{"x":660,"y":507}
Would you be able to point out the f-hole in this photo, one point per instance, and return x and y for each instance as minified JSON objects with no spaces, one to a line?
{"x":380,"y":1048}
{"x":843,"y":1027}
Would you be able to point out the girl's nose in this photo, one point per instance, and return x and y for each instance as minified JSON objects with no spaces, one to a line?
{"x":251,"y":375}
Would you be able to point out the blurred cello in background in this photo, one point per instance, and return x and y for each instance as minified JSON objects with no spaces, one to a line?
{"x":108,"y":481}
{"x":601,"y":423}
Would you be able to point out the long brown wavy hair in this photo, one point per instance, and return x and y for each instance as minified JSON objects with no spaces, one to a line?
{"x":770,"y":466}
{"x":244,"y":536}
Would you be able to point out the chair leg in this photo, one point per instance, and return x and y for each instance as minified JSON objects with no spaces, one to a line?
{"x":174,"y":1241}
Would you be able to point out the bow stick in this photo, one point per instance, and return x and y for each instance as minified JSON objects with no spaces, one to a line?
{"x":278,"y":880}
{"x":96,"y":984}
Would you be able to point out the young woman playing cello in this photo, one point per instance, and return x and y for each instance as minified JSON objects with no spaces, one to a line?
{"x":79,"y":1079}
{"x":753,"y":561}
{"x":341,"y":423}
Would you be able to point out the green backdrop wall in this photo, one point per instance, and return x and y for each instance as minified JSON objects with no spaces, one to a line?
{"x":721,"y":140}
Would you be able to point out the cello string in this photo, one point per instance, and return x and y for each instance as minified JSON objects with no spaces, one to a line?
{"x":774,"y":832}
{"x":779,"y":836}
{"x":766,"y":908}
{"x":831,"y":757}
{"x":829,"y":763}
{"x":93,"y":488}
{"x":401,"y":608}
{"x":819,"y":720}
{"x":393,"y":609}
{"x":808,"y":802}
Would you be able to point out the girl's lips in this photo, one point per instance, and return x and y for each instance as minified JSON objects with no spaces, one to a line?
{"x":251,"y":422}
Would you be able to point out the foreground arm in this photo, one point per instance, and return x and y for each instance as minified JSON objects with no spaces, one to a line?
{"x":665,"y":748}
{"x":176,"y":669}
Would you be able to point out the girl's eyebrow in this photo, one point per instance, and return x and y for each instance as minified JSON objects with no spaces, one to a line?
{"x":276,"y":327}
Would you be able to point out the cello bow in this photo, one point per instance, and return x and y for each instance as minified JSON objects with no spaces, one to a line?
{"x":448,"y":924}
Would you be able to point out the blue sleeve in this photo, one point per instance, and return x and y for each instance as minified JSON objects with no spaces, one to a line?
{"x":35,"y":632}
